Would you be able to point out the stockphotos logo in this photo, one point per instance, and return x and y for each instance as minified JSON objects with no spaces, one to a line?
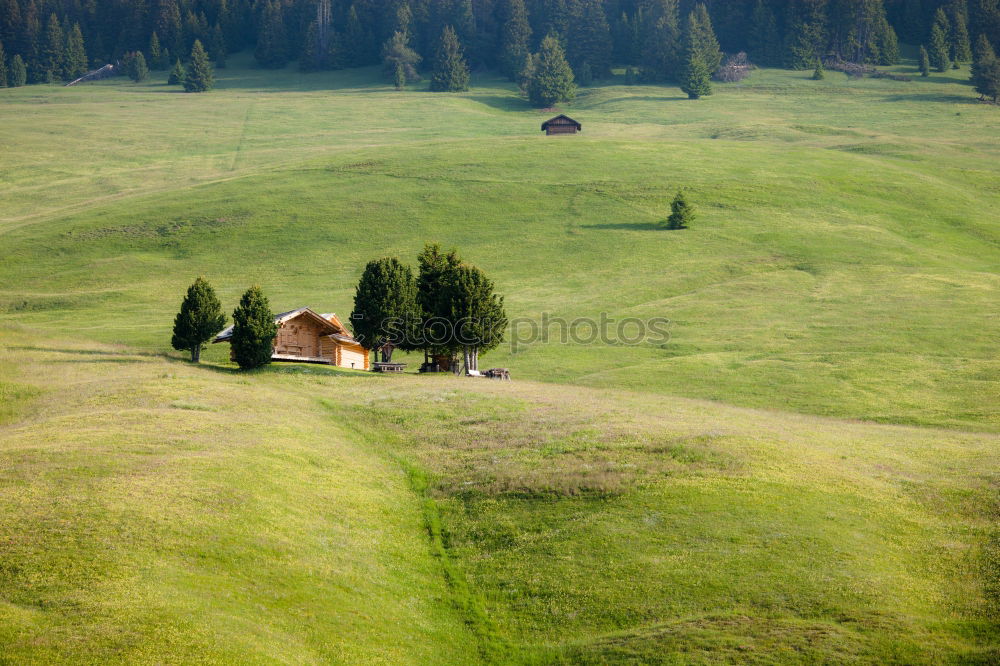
{"x":523,"y":332}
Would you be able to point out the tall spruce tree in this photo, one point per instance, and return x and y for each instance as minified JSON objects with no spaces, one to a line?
{"x":451,"y":73}
{"x":18,"y":75}
{"x":763,"y":39}
{"x":156,"y":55}
{"x":807,"y":34}
{"x":551,"y":79}
{"x":53,"y":50}
{"x":476,"y":312}
{"x":590,"y":39}
{"x":76,"y":53}
{"x":961,"y":47}
{"x":925,"y":62}
{"x":219,"y":50}
{"x":199,"y":320}
{"x":272,"y":42}
{"x":168,"y":26}
{"x":254,"y":330}
{"x":386,"y":315}
{"x":701,"y":38}
{"x":662,"y":51}
{"x":199,"y":76}
{"x":515,"y":39}
{"x":434,"y":268}
{"x":354,"y":39}
{"x":986,"y":70}
{"x":938,"y":48}
{"x":136,"y":67}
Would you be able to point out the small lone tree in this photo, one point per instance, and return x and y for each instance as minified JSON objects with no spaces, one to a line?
{"x":681,"y":212}
{"x":925,"y":62}
{"x":551,"y":79}
{"x":451,"y":73}
{"x":253,"y":330}
{"x":385,"y":314}
{"x":199,"y":74}
{"x":199,"y":319}
{"x":177,"y":75}
{"x":818,"y":74}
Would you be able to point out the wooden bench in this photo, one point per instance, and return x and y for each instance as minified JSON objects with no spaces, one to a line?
{"x":378,"y":366}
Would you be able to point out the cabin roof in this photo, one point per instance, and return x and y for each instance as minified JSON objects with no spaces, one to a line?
{"x":561,"y":119}
{"x":329,"y":324}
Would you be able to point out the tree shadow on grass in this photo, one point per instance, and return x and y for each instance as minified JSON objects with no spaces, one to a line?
{"x":931,"y":97}
{"x":502,"y":102}
{"x":626,"y":226}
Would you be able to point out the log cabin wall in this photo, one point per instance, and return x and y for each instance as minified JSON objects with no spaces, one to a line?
{"x":298,"y":337}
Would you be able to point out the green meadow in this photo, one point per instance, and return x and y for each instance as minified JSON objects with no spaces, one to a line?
{"x":804,"y":471}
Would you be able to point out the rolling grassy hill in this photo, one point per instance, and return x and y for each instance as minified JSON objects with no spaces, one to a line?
{"x":686,"y":500}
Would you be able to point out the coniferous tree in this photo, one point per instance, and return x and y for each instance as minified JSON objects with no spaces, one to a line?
{"x":354,"y":39}
{"x":661,"y":42}
{"x":76,"y":53}
{"x":434,"y":268}
{"x":272,"y":42}
{"x":476,"y":311}
{"x":551,"y":79}
{"x":398,"y":56}
{"x":136,"y":67}
{"x":156,"y":60}
{"x":589,"y":40}
{"x":961,"y":48}
{"x":18,"y":75}
{"x":3,"y":67}
{"x":451,"y":73}
{"x":515,"y":39}
{"x":925,"y":62}
{"x":199,"y":319}
{"x":938,"y":49}
{"x":763,"y":39}
{"x":386,"y":315}
{"x":818,"y":74}
{"x":177,"y":75}
{"x":53,"y":50}
{"x":986,"y":70}
{"x":527,"y":73}
{"x":681,"y":212}
{"x":254,"y":330}
{"x":701,"y":38}
{"x":168,"y":26}
{"x":199,"y":76}
{"x":219,"y":49}
{"x":807,"y":34}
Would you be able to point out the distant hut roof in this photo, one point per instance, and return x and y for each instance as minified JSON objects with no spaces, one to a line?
{"x":329,"y":324}
{"x":561,"y":120}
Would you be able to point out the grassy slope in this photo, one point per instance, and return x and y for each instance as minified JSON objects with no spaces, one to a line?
{"x":836,"y":240}
{"x":153,"y":511}
{"x":845,"y":263}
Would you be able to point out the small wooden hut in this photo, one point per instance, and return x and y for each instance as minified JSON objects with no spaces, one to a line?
{"x":561,"y":125}
{"x":308,"y":337}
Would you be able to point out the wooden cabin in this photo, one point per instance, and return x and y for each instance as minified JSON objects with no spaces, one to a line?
{"x":307,"y":337}
{"x":561,"y":125}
